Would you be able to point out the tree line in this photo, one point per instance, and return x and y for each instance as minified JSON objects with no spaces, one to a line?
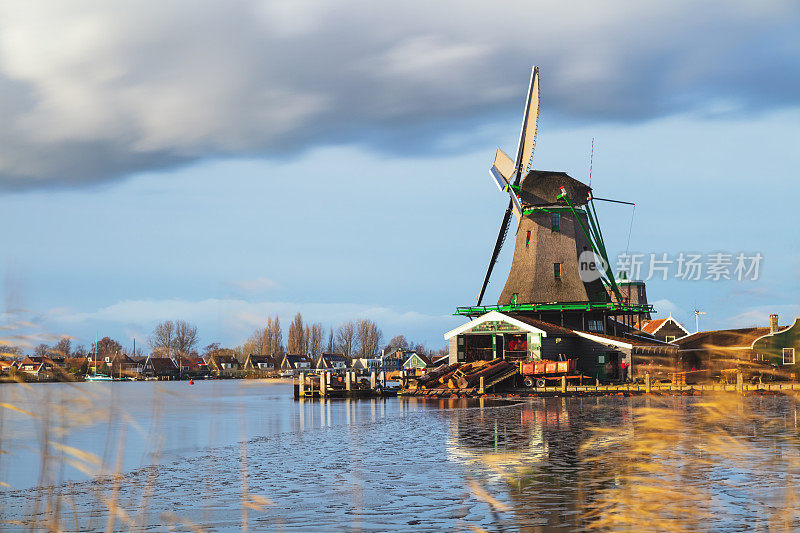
{"x":361,"y":338}
{"x":353,"y":339}
{"x":178,"y":338}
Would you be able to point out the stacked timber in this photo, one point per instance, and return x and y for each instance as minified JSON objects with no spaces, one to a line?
{"x":435,"y":378}
{"x":463,"y":375}
{"x":488,"y":371}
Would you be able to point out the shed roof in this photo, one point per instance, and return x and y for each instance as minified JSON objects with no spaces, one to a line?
{"x":163,"y":364}
{"x":627,"y":342}
{"x":723,"y":338}
{"x":652,"y":326}
{"x":547,"y":327}
{"x":255,"y":359}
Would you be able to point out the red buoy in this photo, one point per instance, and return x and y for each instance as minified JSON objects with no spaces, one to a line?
{"x":191,"y":382}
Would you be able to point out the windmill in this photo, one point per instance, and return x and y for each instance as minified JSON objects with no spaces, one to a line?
{"x":557,"y":228}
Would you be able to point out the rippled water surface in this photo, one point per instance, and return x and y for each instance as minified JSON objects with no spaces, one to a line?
{"x":223,"y":454}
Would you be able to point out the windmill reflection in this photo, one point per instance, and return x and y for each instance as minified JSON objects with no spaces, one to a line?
{"x":528,"y":455}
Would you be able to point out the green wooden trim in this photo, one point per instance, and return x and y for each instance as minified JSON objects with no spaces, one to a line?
{"x":557,"y":209}
{"x":596,"y":244}
{"x":613,"y":307}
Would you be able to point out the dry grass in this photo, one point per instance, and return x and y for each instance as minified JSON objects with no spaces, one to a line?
{"x":53,"y":505}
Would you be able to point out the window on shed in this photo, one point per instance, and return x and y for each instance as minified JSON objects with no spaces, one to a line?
{"x":528,"y":239}
{"x":595,"y":325}
{"x":788,"y":356}
{"x":557,"y":270}
{"x":670,"y":338}
{"x":555,"y":221}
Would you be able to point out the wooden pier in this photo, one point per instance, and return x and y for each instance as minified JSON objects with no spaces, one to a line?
{"x":326,"y":384}
{"x":610,"y":390}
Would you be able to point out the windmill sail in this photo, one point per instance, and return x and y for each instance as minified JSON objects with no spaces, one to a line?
{"x":502,"y":171}
{"x":501,"y":237}
{"x":530,"y":122}
{"x":504,"y":164}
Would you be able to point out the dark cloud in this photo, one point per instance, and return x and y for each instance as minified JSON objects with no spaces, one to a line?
{"x":97,"y":90}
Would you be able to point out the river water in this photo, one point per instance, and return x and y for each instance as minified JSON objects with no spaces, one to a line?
{"x":229,"y":455}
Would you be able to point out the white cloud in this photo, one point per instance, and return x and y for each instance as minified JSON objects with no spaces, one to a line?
{"x":94,"y":90}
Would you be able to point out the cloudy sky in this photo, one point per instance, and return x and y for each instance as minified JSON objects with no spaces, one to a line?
{"x":222,"y":161}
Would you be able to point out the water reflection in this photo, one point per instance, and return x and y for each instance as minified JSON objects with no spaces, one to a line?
{"x":400,"y":464}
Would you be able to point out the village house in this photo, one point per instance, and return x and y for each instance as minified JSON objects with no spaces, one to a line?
{"x":259,"y":362}
{"x":222,"y":364}
{"x":415,"y":362}
{"x":6,"y":366}
{"x":665,"y":329}
{"x":780,"y":347}
{"x":193,"y":367}
{"x":367,"y":364}
{"x":77,"y":365}
{"x":332,"y":361}
{"x":296,"y":363}
{"x":773,"y":345}
{"x":37,"y":366}
{"x":122,"y":365}
{"x":160,"y":367}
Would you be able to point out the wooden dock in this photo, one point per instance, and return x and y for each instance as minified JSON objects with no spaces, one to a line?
{"x":323,"y":385}
{"x":328,"y":385}
{"x":565,"y":389}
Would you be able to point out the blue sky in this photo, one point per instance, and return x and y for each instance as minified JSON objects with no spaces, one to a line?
{"x":147,"y":175}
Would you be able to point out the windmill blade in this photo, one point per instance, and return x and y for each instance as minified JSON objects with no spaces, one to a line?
{"x":503,"y":185}
{"x":504,"y":164}
{"x":501,"y":237}
{"x":499,"y":179}
{"x":516,"y":203}
{"x":530,"y":123}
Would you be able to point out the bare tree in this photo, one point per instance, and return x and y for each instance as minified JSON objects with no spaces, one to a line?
{"x":214,"y":346}
{"x":11,"y":350}
{"x":273,"y":337}
{"x":163,"y":338}
{"x":420,"y":348}
{"x":331,"y":347}
{"x":63,"y":348}
{"x":346,"y":339}
{"x":315,"y":337}
{"x":185,"y":337}
{"x":369,"y":338}
{"x":41,"y":350}
{"x":172,"y":338}
{"x":255,"y":343}
{"x":296,"y":345}
{"x":398,"y":342}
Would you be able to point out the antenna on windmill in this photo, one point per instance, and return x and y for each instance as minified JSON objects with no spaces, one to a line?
{"x":697,"y":314}
{"x":591,"y":161}
{"x":508,"y":173}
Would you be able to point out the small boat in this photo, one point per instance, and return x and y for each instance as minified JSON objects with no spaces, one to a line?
{"x":99,"y":377}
